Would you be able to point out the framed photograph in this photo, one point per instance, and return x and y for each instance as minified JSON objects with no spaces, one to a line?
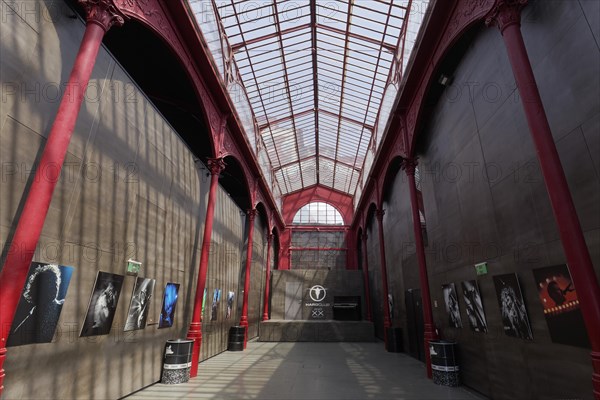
{"x":451,"y":301}
{"x":215,"y":304}
{"x":474,"y":306}
{"x":230,"y":297}
{"x":167,"y":312}
{"x":559,"y":300}
{"x":103,"y":304}
{"x":40,"y":304}
{"x":140,"y":304}
{"x":203,"y":302}
{"x":512,"y":306}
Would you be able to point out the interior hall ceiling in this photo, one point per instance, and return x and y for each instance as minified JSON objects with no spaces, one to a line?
{"x":314,"y":75}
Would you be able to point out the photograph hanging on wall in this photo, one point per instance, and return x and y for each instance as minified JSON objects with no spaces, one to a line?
{"x":40,"y":304}
{"x":512,"y":306}
{"x":451,"y":301}
{"x":474,"y":306}
{"x":203,"y":302}
{"x":103,"y":304}
{"x":140,"y":304}
{"x":167,"y":311}
{"x":230,"y":296}
{"x":561,"y":306}
{"x":215,"y":304}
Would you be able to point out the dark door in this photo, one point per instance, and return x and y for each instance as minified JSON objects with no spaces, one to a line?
{"x":416,"y":327}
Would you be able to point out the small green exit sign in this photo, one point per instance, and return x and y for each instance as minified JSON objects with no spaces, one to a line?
{"x":481,"y":268}
{"x":133,"y":267}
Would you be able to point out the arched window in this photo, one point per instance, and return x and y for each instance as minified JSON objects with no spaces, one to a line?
{"x":318,"y":213}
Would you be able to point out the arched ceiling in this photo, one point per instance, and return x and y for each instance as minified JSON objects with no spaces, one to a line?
{"x":314,"y":75}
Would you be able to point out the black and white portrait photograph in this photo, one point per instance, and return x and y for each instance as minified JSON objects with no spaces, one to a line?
{"x":474,"y":306}
{"x":140,"y":304}
{"x":103,"y":304}
{"x":512,"y":306}
{"x":451,"y":300}
{"x":40,"y":304}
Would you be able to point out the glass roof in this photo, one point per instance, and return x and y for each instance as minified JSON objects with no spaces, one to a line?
{"x":314,"y":75}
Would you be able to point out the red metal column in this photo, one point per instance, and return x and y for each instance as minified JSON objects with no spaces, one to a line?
{"x":268,"y":279}
{"x":430,"y":333}
{"x":507,"y":16}
{"x":216,"y":166}
{"x":386,"y":304}
{"x":244,"y":318}
{"x":366,"y":276}
{"x":101,"y":16}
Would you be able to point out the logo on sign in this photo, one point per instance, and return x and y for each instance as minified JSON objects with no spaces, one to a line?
{"x":317,"y":293}
{"x":318,"y":313}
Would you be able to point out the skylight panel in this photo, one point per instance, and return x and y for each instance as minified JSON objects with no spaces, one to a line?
{"x":326,"y":171}
{"x":311,"y":83}
{"x":309,"y":171}
{"x":366,"y":32}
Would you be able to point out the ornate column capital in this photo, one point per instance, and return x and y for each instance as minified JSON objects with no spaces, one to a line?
{"x":505,"y":13}
{"x":251,"y":214}
{"x":380,"y":214}
{"x":270,"y":238}
{"x":410,"y":165}
{"x":103,"y":13}
{"x":216,"y":165}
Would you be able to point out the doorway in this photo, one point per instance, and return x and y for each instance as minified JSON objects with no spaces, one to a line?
{"x":416,"y":326}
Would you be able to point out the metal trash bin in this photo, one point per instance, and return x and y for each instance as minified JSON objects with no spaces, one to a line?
{"x":444,"y":362}
{"x":177,"y":361}
{"x":237,"y":335}
{"x":395,"y":344}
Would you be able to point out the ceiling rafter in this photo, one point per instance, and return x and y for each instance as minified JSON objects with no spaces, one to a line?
{"x":236,"y":47}
{"x":316,"y":83}
{"x":313,"y":24}
{"x":343,"y":80}
{"x":371,"y":94}
{"x":253,"y":74}
{"x":367,"y":39}
{"x":305,"y":112}
{"x":401,"y":47}
{"x":323,"y":157}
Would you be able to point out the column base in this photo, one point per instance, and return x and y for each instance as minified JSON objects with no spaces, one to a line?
{"x":195,"y":334}
{"x":428,"y":337}
{"x":244,"y":323}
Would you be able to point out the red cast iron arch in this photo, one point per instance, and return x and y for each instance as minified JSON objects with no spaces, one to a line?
{"x":295,"y":201}
{"x":389,"y":173}
{"x":465,"y":15}
{"x":152,"y":15}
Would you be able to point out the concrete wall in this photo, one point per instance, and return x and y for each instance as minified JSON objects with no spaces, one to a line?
{"x":336,"y":283}
{"x":225,"y":264}
{"x":485,"y":199}
{"x":129,"y":189}
{"x":375,"y":283}
{"x":257,"y":276}
{"x":403,"y":268}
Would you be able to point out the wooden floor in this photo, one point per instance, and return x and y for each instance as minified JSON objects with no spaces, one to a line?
{"x":280,"y":371}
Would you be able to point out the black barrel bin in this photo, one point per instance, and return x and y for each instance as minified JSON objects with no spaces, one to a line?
{"x":444,"y":362}
{"x":236,"y":338}
{"x":177,"y":361}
